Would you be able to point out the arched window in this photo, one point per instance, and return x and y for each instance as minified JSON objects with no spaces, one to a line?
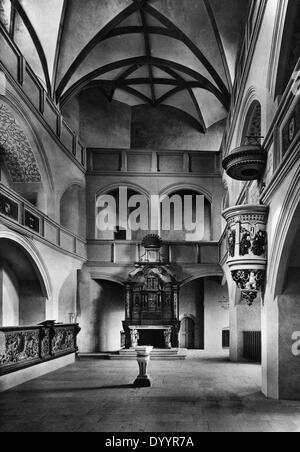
{"x":186,"y":216}
{"x":252,"y":127}
{"x":290,"y":49}
{"x":122,"y":214}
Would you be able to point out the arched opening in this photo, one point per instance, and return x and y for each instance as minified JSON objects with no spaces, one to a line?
{"x":22,"y":296}
{"x":185,"y":216}
{"x":72,"y":210}
{"x":290,"y":48}
{"x":23,"y":165}
{"x":204,"y":314}
{"x":187,"y":333}
{"x":253,"y":125}
{"x":288,"y":314}
{"x":135,"y":221}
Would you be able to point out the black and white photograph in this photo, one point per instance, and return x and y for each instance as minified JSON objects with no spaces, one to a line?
{"x":150,"y":219}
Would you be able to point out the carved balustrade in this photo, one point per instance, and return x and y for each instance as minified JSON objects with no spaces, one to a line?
{"x":22,"y":347}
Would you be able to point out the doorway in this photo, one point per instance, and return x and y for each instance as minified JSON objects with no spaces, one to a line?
{"x":187,"y":333}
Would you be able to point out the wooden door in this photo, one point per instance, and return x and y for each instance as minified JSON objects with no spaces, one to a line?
{"x":187,"y":333}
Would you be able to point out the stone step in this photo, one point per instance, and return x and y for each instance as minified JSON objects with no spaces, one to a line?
{"x":155,"y":352}
{"x":130,"y":355}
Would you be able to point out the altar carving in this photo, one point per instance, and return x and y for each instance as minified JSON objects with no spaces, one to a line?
{"x":152,"y":301}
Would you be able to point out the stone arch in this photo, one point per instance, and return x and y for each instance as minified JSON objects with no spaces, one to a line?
{"x":33,"y":254}
{"x":35,"y":175}
{"x":115,"y":186}
{"x":185,"y":186}
{"x":174,"y":234}
{"x":252,"y":125}
{"x":114,"y":279}
{"x":251,"y":100}
{"x":202,"y":275}
{"x":284,"y":235}
{"x":120,"y":233}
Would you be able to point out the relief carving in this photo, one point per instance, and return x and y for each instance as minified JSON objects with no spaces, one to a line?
{"x":16,"y":150}
{"x":20,"y":346}
{"x":63,"y":340}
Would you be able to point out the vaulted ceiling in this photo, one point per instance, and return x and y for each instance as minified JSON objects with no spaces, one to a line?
{"x":179,"y":53}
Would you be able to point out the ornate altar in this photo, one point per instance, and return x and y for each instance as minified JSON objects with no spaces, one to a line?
{"x":152,"y":301}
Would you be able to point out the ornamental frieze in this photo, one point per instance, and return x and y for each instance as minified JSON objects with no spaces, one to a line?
{"x":20,"y":346}
{"x":16,"y":151}
{"x":63,"y":340}
{"x":26,"y":346}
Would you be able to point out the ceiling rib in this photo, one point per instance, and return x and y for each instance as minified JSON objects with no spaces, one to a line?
{"x":191,"y":93}
{"x":168,"y":29}
{"x":219,"y":41}
{"x":89,"y":47}
{"x":148,"y":54}
{"x":66,"y":5}
{"x":206,"y":84}
{"x":124,"y":76}
{"x":193,"y":48}
{"x":37,"y":43}
{"x":123,"y":87}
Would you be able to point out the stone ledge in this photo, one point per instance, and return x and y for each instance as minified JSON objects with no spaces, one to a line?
{"x":22,"y":376}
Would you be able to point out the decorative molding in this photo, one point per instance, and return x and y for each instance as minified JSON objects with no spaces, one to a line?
{"x":241,"y":82}
{"x":16,"y":150}
{"x":281,"y":234}
{"x":276,"y":45}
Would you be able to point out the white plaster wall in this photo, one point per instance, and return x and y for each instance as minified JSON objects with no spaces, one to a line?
{"x":206,"y":302}
{"x":10,"y":298}
{"x":216,"y":313}
{"x":257,"y":82}
{"x":62,"y":270}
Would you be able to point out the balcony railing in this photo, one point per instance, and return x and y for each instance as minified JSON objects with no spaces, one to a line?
{"x":17,"y":69}
{"x":16,"y":212}
{"x":129,"y":252}
{"x":22,"y":347}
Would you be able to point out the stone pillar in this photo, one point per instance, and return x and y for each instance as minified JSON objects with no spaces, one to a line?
{"x":143,"y":357}
{"x":128,"y":301}
{"x":176,"y":301}
{"x":281,"y":342}
{"x":241,"y":318}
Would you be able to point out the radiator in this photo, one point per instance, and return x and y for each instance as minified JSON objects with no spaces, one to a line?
{"x":252,"y":346}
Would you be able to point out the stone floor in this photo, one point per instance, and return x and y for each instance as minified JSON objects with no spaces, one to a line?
{"x":205,"y":393}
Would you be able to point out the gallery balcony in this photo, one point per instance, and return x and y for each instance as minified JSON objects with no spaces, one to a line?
{"x":190,"y":259}
{"x":21,"y":216}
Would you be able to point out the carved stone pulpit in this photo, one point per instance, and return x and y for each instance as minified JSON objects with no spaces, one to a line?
{"x":152,"y":301}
